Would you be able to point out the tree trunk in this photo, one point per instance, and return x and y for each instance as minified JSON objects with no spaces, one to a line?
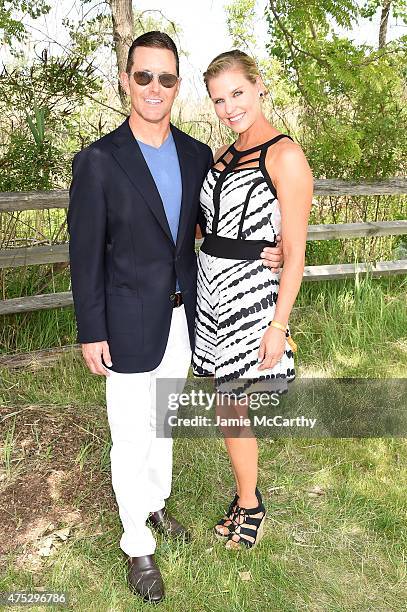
{"x":384,"y":22}
{"x":312,"y":28}
{"x":123,"y":32}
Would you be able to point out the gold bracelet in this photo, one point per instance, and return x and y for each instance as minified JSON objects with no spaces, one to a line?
{"x":289,"y":339}
{"x":278,"y":325}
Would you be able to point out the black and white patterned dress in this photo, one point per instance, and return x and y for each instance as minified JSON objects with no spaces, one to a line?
{"x":237,"y":293}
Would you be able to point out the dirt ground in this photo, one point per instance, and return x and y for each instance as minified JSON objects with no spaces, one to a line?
{"x":54,"y":477}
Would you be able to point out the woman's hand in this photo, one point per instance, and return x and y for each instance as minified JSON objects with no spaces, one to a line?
{"x":273,"y":257}
{"x":272,"y":347}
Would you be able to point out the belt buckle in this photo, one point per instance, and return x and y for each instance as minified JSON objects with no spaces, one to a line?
{"x":176,"y":299}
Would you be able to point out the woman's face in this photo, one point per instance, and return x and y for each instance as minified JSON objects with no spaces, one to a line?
{"x":236,"y":99}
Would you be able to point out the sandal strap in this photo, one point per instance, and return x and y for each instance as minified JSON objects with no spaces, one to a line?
{"x":234,"y":513}
{"x":232,"y":504}
{"x":248,"y":511}
{"x":260,"y":508}
{"x":229,"y":515}
{"x":251,"y":520}
{"x":246,"y":531}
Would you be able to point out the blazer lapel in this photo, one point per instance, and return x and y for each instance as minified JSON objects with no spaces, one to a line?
{"x":186,"y":158}
{"x":130,"y":158}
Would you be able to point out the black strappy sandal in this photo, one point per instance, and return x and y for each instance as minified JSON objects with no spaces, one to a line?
{"x":227,"y":518}
{"x":248,"y":527}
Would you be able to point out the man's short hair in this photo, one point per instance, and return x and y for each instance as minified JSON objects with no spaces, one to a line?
{"x":155,"y":39}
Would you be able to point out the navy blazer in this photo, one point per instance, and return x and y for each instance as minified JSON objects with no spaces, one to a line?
{"x":124,"y":262}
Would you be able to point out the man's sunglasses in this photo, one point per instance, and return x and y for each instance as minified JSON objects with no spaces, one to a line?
{"x":144,"y":77}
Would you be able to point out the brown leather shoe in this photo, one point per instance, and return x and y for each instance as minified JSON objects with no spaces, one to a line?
{"x":145,"y":578}
{"x":163,"y":522}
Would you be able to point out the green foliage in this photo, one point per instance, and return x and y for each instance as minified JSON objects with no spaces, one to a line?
{"x":37,"y":128}
{"x":11,"y":25}
{"x":398,"y":8}
{"x":49,"y":106}
{"x":28,"y":165}
{"x":60,"y":82}
{"x":40,"y":99}
{"x":145,"y":21}
{"x":351,"y":96}
{"x":240,"y":19}
{"x":91,"y":36}
{"x":349,"y":99}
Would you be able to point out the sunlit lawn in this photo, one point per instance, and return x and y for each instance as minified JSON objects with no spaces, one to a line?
{"x":336,"y":530}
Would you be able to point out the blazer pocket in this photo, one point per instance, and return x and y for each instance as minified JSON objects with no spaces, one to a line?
{"x":123,"y":291}
{"x":125,"y":318}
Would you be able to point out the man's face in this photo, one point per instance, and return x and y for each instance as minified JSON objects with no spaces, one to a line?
{"x":152,"y":102}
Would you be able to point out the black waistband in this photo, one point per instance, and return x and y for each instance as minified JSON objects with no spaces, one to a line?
{"x":232,"y":248}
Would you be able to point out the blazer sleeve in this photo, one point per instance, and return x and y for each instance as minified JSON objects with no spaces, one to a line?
{"x":87,"y":242}
{"x":201,"y":217}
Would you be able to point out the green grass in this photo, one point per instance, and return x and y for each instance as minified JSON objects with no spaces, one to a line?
{"x":342,"y":550}
{"x":354,"y":327}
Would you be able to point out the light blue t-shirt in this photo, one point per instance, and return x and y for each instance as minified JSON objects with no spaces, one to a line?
{"x":163,"y":164}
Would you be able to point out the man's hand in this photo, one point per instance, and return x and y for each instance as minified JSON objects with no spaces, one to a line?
{"x":273,"y":256}
{"x":92,"y":353}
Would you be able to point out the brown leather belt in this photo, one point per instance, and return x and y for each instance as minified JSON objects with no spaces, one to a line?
{"x":176,"y":299}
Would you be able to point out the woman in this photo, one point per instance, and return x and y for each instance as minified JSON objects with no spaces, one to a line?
{"x":259,"y":186}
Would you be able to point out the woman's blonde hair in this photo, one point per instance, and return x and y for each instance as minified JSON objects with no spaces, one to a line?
{"x":229,"y":60}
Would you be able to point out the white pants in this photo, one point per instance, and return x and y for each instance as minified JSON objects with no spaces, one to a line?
{"x":141,"y":462}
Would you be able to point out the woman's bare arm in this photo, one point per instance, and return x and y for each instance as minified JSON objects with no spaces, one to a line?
{"x":293,"y":180}
{"x":294,"y":184}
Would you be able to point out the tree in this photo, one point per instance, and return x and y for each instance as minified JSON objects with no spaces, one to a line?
{"x":384,"y":22}
{"x":387,"y":7}
{"x":114,"y":28}
{"x":53,"y":104}
{"x":351,"y":95}
{"x":123,"y":34}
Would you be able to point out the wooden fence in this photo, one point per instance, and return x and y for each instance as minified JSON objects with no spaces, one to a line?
{"x":46,"y":254}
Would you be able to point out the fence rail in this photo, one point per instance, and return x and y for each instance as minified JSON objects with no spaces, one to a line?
{"x":41,"y":200}
{"x":58,"y":253}
{"x":49,"y":254}
{"x":311,"y":273}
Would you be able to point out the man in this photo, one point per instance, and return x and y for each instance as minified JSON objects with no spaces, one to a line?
{"x":133,"y":211}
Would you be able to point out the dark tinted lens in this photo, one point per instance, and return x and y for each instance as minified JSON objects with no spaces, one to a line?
{"x":142,"y":77}
{"x":167,"y":79}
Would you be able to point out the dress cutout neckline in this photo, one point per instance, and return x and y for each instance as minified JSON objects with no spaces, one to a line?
{"x":259,"y":146}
